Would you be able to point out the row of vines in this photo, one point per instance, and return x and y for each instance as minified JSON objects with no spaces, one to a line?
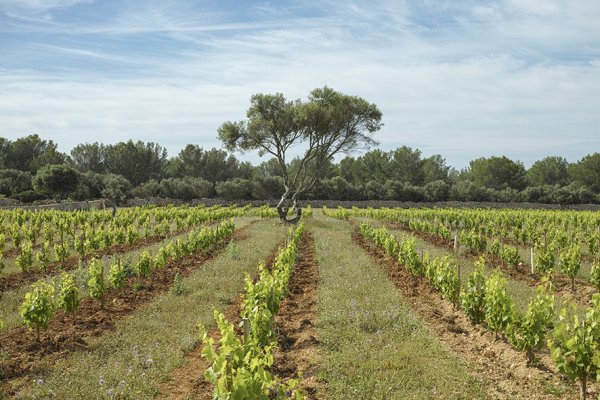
{"x":573,"y":342}
{"x":559,"y":244}
{"x":95,"y":279}
{"x":240,"y":365}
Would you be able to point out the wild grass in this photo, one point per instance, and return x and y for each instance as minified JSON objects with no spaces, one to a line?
{"x":372,"y":344}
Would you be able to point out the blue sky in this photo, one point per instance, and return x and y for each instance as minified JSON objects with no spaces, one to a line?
{"x":464,"y":79}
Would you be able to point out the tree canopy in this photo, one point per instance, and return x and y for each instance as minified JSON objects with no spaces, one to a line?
{"x":328,"y":123}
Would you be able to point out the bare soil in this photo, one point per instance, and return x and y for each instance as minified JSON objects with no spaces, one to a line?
{"x":494,"y":361}
{"x":297,"y":356}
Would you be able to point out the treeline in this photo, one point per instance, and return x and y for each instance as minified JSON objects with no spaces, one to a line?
{"x":32,"y":168}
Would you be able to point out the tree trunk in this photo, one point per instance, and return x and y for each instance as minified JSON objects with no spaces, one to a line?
{"x":282,"y":208}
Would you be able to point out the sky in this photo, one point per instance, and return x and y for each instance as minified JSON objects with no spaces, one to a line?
{"x":460,"y":78}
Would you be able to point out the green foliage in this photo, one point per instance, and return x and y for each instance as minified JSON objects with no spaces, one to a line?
{"x":96,"y":285}
{"x":595,"y":274}
{"x":443,"y":275}
{"x":407,"y":254}
{"x":162,"y":257}
{"x":68,"y":295}
{"x":498,"y":173}
{"x":43,"y":257}
{"x":61,"y":251}
{"x":575,"y":343}
{"x":38,"y":308}
{"x":239,"y":366}
{"x":2,"y":264}
{"x":143,"y":267}
{"x":570,"y":262}
{"x":472,"y":299}
{"x":25,"y":260}
{"x":329,"y":122}
{"x":587,"y":172}
{"x":592,"y":239}
{"x":548,"y":171}
{"x":239,"y":369}
{"x":544,"y":258}
{"x":528,"y":332}
{"x":116,"y":188}
{"x":117,"y":274}
{"x":475,"y":243}
{"x":499,"y":308}
{"x":510,"y":255}
{"x":494,"y":248}
{"x":57,"y":181}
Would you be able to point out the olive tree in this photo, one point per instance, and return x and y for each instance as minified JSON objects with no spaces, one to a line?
{"x":328,"y":123}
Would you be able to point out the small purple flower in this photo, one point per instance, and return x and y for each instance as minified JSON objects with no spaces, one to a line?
{"x":39,"y":382}
{"x":149,"y":362}
{"x":102,"y":382}
{"x":110,"y":392}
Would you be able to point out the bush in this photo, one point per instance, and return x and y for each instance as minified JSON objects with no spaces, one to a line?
{"x":186,"y":188}
{"x":235,"y":189}
{"x":29,"y":196}
{"x":13,"y":181}
{"x":58,"y":181}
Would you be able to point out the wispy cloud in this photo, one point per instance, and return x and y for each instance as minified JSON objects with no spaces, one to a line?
{"x":460,"y":78}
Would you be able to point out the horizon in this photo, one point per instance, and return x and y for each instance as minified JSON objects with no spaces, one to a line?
{"x":461,"y":79}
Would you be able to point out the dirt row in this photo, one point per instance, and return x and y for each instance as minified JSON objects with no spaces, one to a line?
{"x":24,"y":355}
{"x":582,"y":296}
{"x":296,"y":356}
{"x":495,"y":362}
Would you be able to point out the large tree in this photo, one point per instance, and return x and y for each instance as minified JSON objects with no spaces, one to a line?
{"x":29,"y":153}
{"x":552,"y":170}
{"x":56,"y":180}
{"x":328,"y":123}
{"x":498,"y":173}
{"x":137,"y":161}
{"x":586,"y":172}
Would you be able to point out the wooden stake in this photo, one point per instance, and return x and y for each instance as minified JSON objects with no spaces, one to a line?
{"x":246,"y":329}
{"x":228,"y":373}
{"x":532,"y":261}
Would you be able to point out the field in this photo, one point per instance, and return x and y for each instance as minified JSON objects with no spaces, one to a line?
{"x":195,"y":302}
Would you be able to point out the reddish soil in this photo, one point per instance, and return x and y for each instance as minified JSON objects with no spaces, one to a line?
{"x":297,"y":356}
{"x":582,"y":296}
{"x":187,"y":381}
{"x":495,"y":362}
{"x":25,"y":353}
{"x":16,"y":280}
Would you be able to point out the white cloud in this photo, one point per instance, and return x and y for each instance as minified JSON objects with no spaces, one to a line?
{"x":490,"y":87}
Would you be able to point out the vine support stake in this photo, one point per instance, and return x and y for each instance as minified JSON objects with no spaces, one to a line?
{"x":228,"y":373}
{"x":455,"y":240}
{"x":532,"y":261}
{"x":246,"y":329}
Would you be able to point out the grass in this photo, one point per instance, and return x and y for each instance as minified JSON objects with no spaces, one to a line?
{"x":372,"y":344}
{"x":11,"y":300}
{"x":152,"y":342}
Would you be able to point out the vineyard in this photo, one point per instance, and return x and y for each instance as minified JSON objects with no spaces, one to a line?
{"x":225,"y":302}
